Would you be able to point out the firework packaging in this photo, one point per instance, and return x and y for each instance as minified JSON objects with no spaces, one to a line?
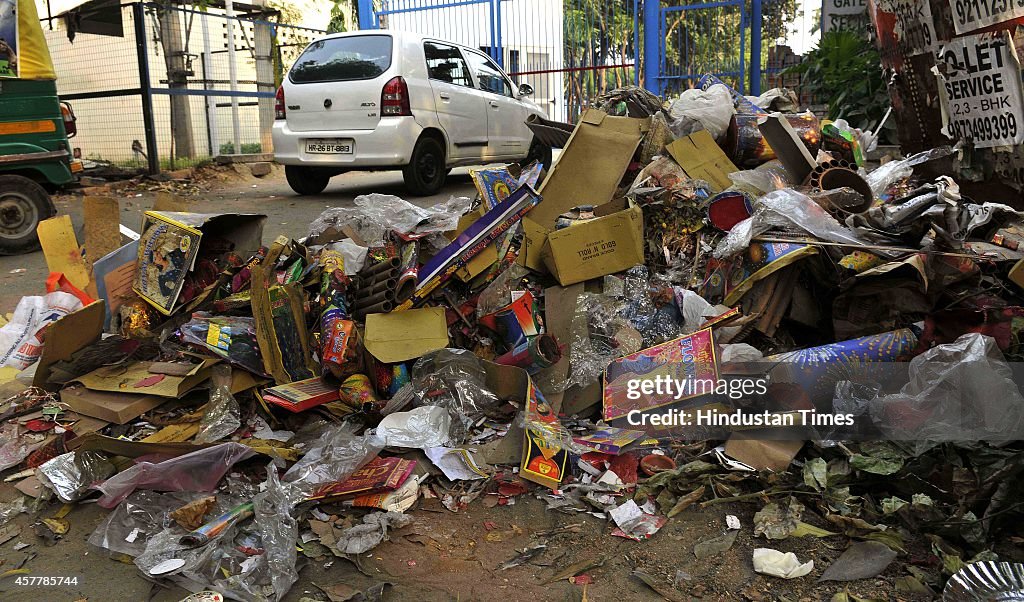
{"x":729,"y":280}
{"x":598,"y":154}
{"x":66,"y":336}
{"x":474,"y":239}
{"x":341,"y":346}
{"x":612,"y":242}
{"x":115,"y":274}
{"x":281,"y":328}
{"x":302,"y":395}
{"x":356,"y":391}
{"x":230,"y":338}
{"x":378,"y":475}
{"x":172,"y":241}
{"x":517,"y":321}
{"x":533,"y":355}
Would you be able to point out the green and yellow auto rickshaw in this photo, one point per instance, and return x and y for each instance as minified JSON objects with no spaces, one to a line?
{"x":35,"y":156}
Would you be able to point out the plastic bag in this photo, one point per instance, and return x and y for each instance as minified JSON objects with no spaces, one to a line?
{"x":696,"y":109}
{"x":230,"y":338}
{"x":200,"y":470}
{"x":70,"y":475}
{"x":333,"y":457}
{"x":353,"y":254}
{"x":16,"y":444}
{"x":9,"y":510}
{"x":374,"y":215}
{"x":223,"y":416}
{"x":785,"y":208}
{"x":692,"y":307}
{"x":881,"y":178}
{"x":959,"y":391}
{"x":454,"y":379}
{"x":279,"y":533}
{"x":138,"y":518}
{"x":20,"y":346}
{"x":362,"y":538}
{"x":600,"y":334}
{"x":422,"y":427}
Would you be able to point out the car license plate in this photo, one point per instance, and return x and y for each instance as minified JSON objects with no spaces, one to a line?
{"x":329,"y":146}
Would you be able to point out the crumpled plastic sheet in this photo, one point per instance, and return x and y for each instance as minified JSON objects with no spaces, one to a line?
{"x":423,"y":427}
{"x":12,"y":508}
{"x":353,"y":254}
{"x":279,"y":533}
{"x":15,"y":445}
{"x":693,"y":308}
{"x":147,"y":511}
{"x":454,"y":379}
{"x":600,"y":334}
{"x":236,"y":342}
{"x":374,"y":215}
{"x":200,"y":470}
{"x":785,"y":208}
{"x":959,"y":391}
{"x":766,"y":178}
{"x":70,"y":475}
{"x":696,"y":109}
{"x":371,"y":533}
{"x":498,"y":293}
{"x":333,"y":457}
{"x":881,"y":178}
{"x":223,"y":415}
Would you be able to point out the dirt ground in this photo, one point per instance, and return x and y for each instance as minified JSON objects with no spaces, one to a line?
{"x":442,"y":555}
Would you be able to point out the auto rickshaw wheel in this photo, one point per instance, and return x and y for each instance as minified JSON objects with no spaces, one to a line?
{"x":23,"y":204}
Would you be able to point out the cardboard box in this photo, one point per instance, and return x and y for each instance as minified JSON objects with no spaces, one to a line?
{"x":117,"y":408}
{"x":137,"y":378}
{"x":66,"y":336}
{"x":587,"y":172}
{"x":702,"y":159}
{"x":281,"y":328}
{"x":405,"y":335}
{"x":611,"y":243}
{"x":171,"y":241}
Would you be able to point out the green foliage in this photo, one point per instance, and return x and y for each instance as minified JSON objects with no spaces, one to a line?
{"x":248,"y":148}
{"x":845,"y":71}
{"x":339,"y":18}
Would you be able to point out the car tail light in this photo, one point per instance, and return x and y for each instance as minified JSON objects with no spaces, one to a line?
{"x":279,"y":112}
{"x":69,"y":120}
{"x":394,"y":99}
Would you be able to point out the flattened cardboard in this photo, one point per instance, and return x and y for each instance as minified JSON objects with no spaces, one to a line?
{"x":702,"y":159}
{"x":125,"y":378}
{"x":405,"y":335}
{"x":763,"y":454}
{"x":611,"y":243}
{"x":102,"y":218}
{"x":63,"y":253}
{"x":115,"y":275}
{"x":66,"y":336}
{"x":587,"y":172}
{"x":117,"y":408}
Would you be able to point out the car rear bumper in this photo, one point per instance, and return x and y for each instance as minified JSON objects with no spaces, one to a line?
{"x":390,"y":144}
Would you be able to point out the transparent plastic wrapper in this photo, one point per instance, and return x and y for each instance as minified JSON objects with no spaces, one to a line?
{"x":362,"y":538}
{"x":229,"y":337}
{"x":454,"y":379}
{"x":139,"y":517}
{"x":279,"y":533}
{"x":353,"y":254}
{"x":200,"y":470}
{"x":223,"y":415}
{"x":374,"y":215}
{"x":600,"y":334}
{"x":639,"y":308}
{"x":692,"y":307}
{"x":423,"y":427}
{"x":9,"y":510}
{"x":498,"y":292}
{"x":15,"y":444}
{"x":20,"y":345}
{"x":337,"y":454}
{"x":959,"y":391}
{"x":70,"y":475}
{"x":759,"y":181}
{"x":881,"y":178}
{"x":785,"y":208}
{"x":696,"y":109}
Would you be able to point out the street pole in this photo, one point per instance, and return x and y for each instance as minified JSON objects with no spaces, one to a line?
{"x":229,"y":9}
{"x":755,"y":47}
{"x":652,"y":46}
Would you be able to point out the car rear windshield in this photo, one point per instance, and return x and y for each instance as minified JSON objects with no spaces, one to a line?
{"x":343,"y":59}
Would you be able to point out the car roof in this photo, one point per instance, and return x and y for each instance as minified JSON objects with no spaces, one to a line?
{"x":405,"y":36}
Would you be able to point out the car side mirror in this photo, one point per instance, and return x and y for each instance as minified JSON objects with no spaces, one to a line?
{"x":525,"y":89}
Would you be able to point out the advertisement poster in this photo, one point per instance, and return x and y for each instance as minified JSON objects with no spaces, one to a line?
{"x":969,"y":15}
{"x":915,"y":27}
{"x":851,"y":15}
{"x":980,"y":90}
{"x":8,"y":38}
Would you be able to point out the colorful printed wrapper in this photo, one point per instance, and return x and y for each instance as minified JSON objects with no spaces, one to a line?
{"x":534,"y":354}
{"x":357,"y":391}
{"x":515,"y":322}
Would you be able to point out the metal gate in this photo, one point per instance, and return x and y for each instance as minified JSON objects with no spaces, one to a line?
{"x":570,"y":51}
{"x":690,"y":38}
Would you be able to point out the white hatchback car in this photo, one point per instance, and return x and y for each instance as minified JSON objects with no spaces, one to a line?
{"x":395,"y":100}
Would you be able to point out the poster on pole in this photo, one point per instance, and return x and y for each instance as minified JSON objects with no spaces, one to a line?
{"x":851,"y":15}
{"x":980,"y":90}
{"x":8,"y":38}
{"x":969,"y":15}
{"x":915,"y":27}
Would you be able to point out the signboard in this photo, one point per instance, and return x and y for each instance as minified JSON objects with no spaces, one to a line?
{"x":8,"y":38}
{"x":915,"y":27}
{"x":851,"y":15}
{"x":980,"y":88}
{"x":969,"y":15}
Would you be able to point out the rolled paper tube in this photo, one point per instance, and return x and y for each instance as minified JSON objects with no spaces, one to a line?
{"x":406,"y":287}
{"x":533,"y":355}
{"x":388,"y":264}
{"x":365,"y":281}
{"x":385,"y":295}
{"x":216,"y":526}
{"x":380,"y":308}
{"x":384,"y":285}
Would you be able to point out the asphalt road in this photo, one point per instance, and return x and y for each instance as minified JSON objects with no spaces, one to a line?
{"x":287,"y":213}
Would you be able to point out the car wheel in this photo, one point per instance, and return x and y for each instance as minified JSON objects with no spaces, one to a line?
{"x":538,"y":152}
{"x":426,"y":171}
{"x":306,"y":180}
{"x":23,"y":204}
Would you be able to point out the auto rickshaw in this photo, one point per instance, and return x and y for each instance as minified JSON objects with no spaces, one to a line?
{"x":35,"y":156}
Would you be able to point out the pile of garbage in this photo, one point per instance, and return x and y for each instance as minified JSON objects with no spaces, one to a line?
{"x":218,"y":394}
